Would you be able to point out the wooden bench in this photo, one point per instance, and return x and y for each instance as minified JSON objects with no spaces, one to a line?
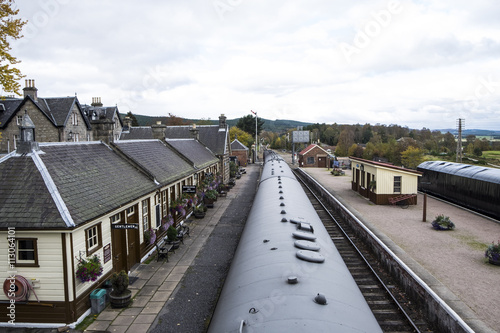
{"x":162,"y":249}
{"x":182,"y":231}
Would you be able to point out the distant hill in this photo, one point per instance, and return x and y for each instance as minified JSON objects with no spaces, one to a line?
{"x":278,"y":125}
{"x":476,"y":132}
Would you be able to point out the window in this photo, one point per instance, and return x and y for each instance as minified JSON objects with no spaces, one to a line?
{"x":310,"y":160}
{"x":26,"y":252}
{"x":116,"y":218}
{"x":93,"y":239}
{"x":397,"y":184}
{"x":130,"y":210}
{"x":145,"y":214}
{"x":19,"y":120}
{"x":164,"y":202}
{"x":74,"y":119}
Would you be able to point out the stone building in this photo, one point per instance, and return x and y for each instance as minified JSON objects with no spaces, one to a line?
{"x":57,"y":119}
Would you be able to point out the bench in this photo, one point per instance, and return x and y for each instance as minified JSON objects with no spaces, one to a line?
{"x":162,"y":249}
{"x":222,"y":193}
{"x":182,"y":231}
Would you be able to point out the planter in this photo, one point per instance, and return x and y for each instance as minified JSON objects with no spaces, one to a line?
{"x":199,"y":215}
{"x":121,"y":301}
{"x":494,"y":262}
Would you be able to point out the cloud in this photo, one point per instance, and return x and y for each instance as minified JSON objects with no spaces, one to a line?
{"x":418,"y":64}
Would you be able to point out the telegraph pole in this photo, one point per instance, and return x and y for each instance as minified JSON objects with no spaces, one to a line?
{"x":459,"y":142}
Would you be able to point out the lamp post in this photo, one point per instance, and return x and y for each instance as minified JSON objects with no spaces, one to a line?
{"x":256,"y":143}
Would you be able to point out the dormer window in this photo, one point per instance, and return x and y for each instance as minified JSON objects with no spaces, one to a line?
{"x":94,"y":115}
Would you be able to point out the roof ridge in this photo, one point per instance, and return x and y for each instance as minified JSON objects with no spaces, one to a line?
{"x":52,"y":188}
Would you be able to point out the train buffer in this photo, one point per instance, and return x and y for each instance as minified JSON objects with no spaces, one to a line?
{"x":404,"y":199}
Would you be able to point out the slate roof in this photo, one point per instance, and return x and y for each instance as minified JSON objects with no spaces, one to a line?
{"x":66,"y":183}
{"x":162,"y":162}
{"x":7,"y":109}
{"x":210,"y":135}
{"x":194,"y":151}
{"x":101,"y":112}
{"x":137,"y":133}
{"x":237,"y":145}
{"x":56,"y":109}
{"x":24,"y":199}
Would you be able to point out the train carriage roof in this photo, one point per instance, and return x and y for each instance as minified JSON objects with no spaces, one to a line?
{"x":490,"y":175}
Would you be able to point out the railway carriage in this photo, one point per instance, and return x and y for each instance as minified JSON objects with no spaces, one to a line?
{"x":287,"y":275}
{"x":474,"y":187}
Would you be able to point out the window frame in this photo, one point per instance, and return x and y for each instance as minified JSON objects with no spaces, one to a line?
{"x":398,"y":181}
{"x":310,"y":160}
{"x":27,"y":263}
{"x":91,"y":250}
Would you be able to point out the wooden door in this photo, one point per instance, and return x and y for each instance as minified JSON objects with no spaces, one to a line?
{"x":133,"y":256}
{"x":119,"y":249}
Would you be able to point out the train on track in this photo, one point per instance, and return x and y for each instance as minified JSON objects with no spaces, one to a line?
{"x":474,"y":187}
{"x":287,"y":275}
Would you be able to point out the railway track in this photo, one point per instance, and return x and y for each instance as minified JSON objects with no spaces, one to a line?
{"x":391,"y":307}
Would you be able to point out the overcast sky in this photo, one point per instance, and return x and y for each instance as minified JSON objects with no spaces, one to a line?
{"x":412,"y":63}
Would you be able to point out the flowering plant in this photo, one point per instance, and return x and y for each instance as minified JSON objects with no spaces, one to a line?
{"x":166,"y":222}
{"x":442,"y":222}
{"x":149,"y":236}
{"x":89,"y":269}
{"x":493,"y":251}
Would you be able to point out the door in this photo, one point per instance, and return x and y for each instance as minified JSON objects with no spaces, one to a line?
{"x":119,"y":249}
{"x":133,"y":256}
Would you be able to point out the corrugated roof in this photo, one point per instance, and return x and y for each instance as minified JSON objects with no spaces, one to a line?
{"x":464,"y":170}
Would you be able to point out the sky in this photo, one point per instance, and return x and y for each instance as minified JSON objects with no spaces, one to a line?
{"x":411,"y":63}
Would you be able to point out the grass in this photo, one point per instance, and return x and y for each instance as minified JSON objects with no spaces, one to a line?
{"x":86,"y":322}
{"x":471,"y":242}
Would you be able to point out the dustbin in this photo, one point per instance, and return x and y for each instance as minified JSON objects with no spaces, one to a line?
{"x":98,"y":300}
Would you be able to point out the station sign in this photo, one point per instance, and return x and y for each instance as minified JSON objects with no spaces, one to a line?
{"x":188,"y":188}
{"x":125,"y":226}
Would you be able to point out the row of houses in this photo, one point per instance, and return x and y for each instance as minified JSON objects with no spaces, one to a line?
{"x":64,"y":198}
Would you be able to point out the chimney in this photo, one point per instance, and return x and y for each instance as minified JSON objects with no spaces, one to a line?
{"x":195,"y":133}
{"x":127,"y":122}
{"x":158,"y":130}
{"x":96,"y":102}
{"x":30,"y":89}
{"x":26,"y":143}
{"x":222,"y":121}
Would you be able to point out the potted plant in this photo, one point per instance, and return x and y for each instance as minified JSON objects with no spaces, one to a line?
{"x":120,"y":296}
{"x":210,"y":197}
{"x":172,"y":237}
{"x":89,"y":269}
{"x":199,"y":212}
{"x":442,"y":222}
{"x":493,"y":253}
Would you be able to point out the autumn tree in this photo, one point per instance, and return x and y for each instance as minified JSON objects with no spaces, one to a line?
{"x":242,"y":136}
{"x":10,"y":27}
{"x":412,"y":157}
{"x":173,"y":120}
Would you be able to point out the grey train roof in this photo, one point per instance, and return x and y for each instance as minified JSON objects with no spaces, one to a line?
{"x":464,"y":170}
{"x":269,"y":289}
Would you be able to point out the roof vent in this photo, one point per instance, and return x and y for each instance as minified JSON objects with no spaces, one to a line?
{"x":282,"y":204}
{"x":281,"y":198}
{"x":280,"y":192}
{"x":284,"y":220}
{"x":292,"y":280}
{"x":320,"y":299}
{"x":283,"y":212}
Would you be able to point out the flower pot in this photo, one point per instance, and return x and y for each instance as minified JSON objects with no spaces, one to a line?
{"x":175,"y":244}
{"x":199,"y":215}
{"x":494,"y":262}
{"x":120,"y":301}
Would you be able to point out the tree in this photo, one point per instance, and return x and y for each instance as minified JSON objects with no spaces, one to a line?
{"x":133,"y":118}
{"x":247,"y":124}
{"x":173,"y":120}
{"x":412,"y":157}
{"x":243,"y":137}
{"x":346,"y":139}
{"x":10,"y":27}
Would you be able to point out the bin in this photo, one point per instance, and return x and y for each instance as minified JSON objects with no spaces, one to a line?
{"x":98,"y":300}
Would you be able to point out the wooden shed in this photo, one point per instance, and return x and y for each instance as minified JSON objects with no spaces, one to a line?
{"x":384,"y":183}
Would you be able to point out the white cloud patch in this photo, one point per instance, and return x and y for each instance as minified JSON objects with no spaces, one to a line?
{"x":412,"y":63}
